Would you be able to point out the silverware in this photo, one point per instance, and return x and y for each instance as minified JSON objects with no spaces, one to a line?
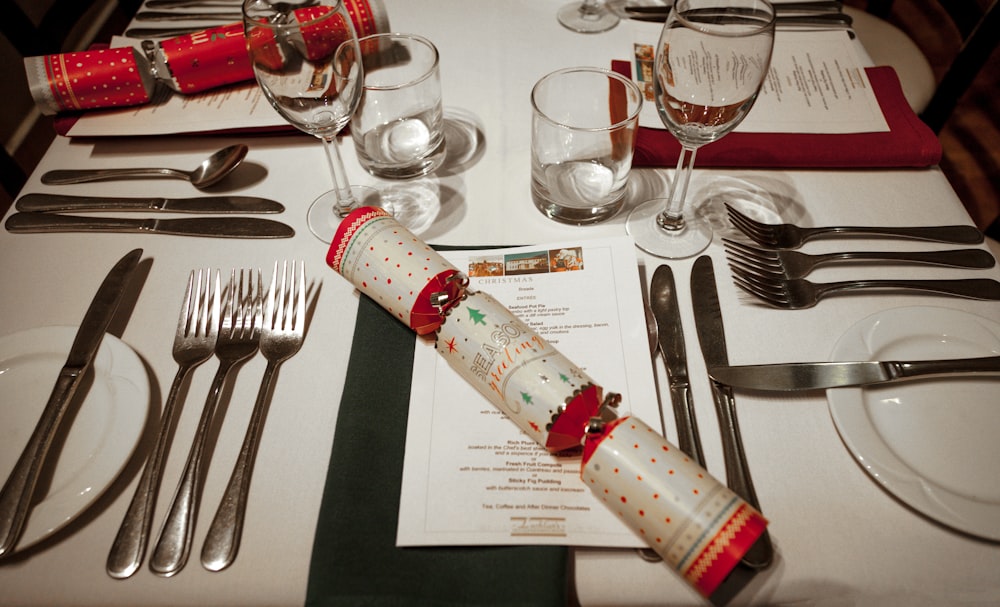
{"x":205,"y":204}
{"x":663,"y":301}
{"x":817,"y":20}
{"x":237,"y":342}
{"x":143,"y":33}
{"x":218,"y":227}
{"x":712,"y":337}
{"x":800,"y":293}
{"x":281,"y":337}
{"x":792,"y":264}
{"x":788,"y":236}
{"x":194,"y":343}
{"x":819,"y":376}
{"x":158,"y":4}
{"x":17,"y":492}
{"x":170,"y":16}
{"x":211,"y":171}
{"x":819,"y":6}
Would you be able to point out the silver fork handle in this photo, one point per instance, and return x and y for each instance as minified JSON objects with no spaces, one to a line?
{"x":956,"y":258}
{"x":70,"y":176}
{"x":223,"y":539}
{"x":972,"y":288}
{"x":957,"y":234}
{"x":174,"y":543}
{"x":129,"y":547}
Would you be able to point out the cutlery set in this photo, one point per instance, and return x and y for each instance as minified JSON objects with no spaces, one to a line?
{"x":247,"y":322}
{"x":774,"y":274}
{"x":819,"y":14}
{"x":19,"y":489}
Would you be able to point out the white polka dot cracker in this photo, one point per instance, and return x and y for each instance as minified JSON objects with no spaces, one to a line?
{"x":699,"y":527}
{"x":695,"y":523}
{"x":105,"y":78}
{"x":515,"y":368}
{"x":386,"y":262}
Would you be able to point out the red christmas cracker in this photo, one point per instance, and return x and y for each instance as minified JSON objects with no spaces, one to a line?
{"x":699,"y":527}
{"x":105,"y":78}
{"x":187,"y":64}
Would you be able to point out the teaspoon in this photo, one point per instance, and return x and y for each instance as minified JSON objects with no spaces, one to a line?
{"x":209,"y":172}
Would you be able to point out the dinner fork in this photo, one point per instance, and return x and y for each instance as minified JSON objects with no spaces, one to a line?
{"x":789,"y":236}
{"x":238,"y":336}
{"x":282,"y":333}
{"x":792,"y":264}
{"x":194,"y":343}
{"x":799,"y":293}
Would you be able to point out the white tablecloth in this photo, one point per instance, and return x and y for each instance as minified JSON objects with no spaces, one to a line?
{"x":840,"y":539}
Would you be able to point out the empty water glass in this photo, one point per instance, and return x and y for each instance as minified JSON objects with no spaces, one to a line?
{"x":398,"y":129}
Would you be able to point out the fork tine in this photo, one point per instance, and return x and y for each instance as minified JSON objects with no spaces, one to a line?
{"x":756,"y":231}
{"x":760,"y":282}
{"x":765,"y":297}
{"x":765,"y":255}
{"x":750,"y":257}
{"x":300,"y":300}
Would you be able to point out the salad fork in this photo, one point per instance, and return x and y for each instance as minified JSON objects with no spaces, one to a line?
{"x":194,"y":343}
{"x":792,"y":264}
{"x":797,"y":293}
{"x":238,"y":336}
{"x":789,"y":236}
{"x":281,"y":337}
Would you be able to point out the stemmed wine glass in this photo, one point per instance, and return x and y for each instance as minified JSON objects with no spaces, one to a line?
{"x":307,"y":61}
{"x":587,"y":17}
{"x":711,"y":59}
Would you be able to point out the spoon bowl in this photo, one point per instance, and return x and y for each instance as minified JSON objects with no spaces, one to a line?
{"x":211,"y":171}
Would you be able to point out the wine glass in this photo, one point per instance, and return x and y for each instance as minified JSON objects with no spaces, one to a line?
{"x":307,"y":61}
{"x":711,"y":59}
{"x":587,"y":17}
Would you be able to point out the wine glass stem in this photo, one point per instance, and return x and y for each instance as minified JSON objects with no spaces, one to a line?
{"x":345,"y":200}
{"x":590,"y":8}
{"x":672,"y":217}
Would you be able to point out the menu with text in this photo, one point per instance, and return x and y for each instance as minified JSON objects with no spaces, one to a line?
{"x":470,"y":475}
{"x":816,"y":83}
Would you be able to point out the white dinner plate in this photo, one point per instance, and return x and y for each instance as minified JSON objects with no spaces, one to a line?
{"x":105,"y":428}
{"x":933,"y":443}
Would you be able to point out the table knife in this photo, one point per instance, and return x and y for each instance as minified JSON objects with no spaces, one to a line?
{"x":219,"y":227}
{"x":819,"y":376}
{"x":170,"y":16}
{"x":158,"y":4}
{"x":205,"y":204}
{"x":712,"y":337}
{"x":670,"y":335}
{"x":16,"y":496}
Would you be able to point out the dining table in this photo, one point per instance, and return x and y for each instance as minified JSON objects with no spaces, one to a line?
{"x":840,"y":537}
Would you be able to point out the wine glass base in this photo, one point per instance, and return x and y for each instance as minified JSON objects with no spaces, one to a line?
{"x":688,"y":241}
{"x":579,"y":19}
{"x":324,"y":220}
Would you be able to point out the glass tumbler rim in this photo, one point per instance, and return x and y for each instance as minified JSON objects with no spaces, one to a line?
{"x":428,"y":73}
{"x":706,"y":28}
{"x":630,"y":86}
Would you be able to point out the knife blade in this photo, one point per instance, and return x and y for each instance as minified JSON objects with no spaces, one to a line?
{"x":670,"y":336}
{"x":712,"y":338}
{"x":781,"y":377}
{"x":168,"y":16}
{"x":205,"y":204}
{"x":220,"y":227}
{"x":16,"y":495}
{"x":143,"y":33}
{"x":158,"y":4}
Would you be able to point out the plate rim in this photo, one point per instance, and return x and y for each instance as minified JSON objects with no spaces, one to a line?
{"x":928,"y":501}
{"x":116,"y":361}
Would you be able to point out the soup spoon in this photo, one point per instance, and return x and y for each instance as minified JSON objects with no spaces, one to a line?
{"x":211,"y":171}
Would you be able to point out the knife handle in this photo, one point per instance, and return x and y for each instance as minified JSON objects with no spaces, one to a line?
{"x":46,"y":222}
{"x":899,"y":370}
{"x":738,"y":477}
{"x":688,"y":438}
{"x":15,"y":498}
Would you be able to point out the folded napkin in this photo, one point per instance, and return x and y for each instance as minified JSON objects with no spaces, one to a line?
{"x":355,"y":560}
{"x":908,"y":143}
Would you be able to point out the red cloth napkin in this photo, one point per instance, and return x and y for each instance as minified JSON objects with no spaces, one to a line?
{"x":908,"y":143}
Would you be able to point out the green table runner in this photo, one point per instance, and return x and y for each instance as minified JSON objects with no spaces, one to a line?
{"x":355,"y":560}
